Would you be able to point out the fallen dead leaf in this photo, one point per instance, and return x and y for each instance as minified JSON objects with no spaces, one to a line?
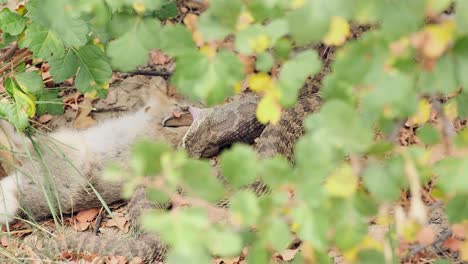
{"x":426,"y":236}
{"x":65,"y":255}
{"x":459,"y":230}
{"x":118,"y":221}
{"x":452,"y":244}
{"x":287,"y":255}
{"x":44,"y":118}
{"x":71,"y":99}
{"x":159,"y":58}
{"x":248,"y":62}
{"x":81,"y":226}
{"x":177,"y":114}
{"x":5,"y":241}
{"x":83,"y":120}
{"x":116,"y":260}
{"x":39,"y":245}
{"x":87,"y":215}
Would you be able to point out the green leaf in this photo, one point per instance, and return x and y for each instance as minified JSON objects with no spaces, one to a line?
{"x":30,"y":82}
{"x":167,"y":11}
{"x":226,"y":12}
{"x":42,"y":42}
{"x":211,"y":29}
{"x":177,"y":41}
{"x":460,"y":52}
{"x":400,"y":18}
{"x":131,"y":49}
{"x":462,"y":21}
{"x":461,"y":139}
{"x":294,"y":73}
{"x":24,"y":102}
{"x":14,"y":114}
{"x":274,"y":171}
{"x":442,"y":79}
{"x":244,"y":208}
{"x":283,"y":48}
{"x":394,"y":96}
{"x":442,"y":261}
{"x":384,"y":182}
{"x":264,"y":9}
{"x":158,"y":197}
{"x":12,"y":23}
{"x":72,"y":30}
{"x":94,"y":70}
{"x":278,"y":235}
{"x":264,"y":62}
{"x":238,"y":165}
{"x":146,"y":157}
{"x":211,"y":80}
{"x":64,"y":67}
{"x":369,"y":256}
{"x":457,"y":209}
{"x":308,"y":23}
{"x":338,"y":124}
{"x":258,"y":255}
{"x":428,"y":135}
{"x":453,"y":177}
{"x":49,"y":102}
{"x":186,"y":228}
{"x":198,"y":180}
{"x":195,"y":255}
{"x":231,"y":243}
{"x":364,"y":204}
{"x":311,"y":225}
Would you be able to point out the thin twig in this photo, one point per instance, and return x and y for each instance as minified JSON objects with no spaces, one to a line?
{"x":151,"y":73}
{"x":418,"y":248}
{"x":99,"y":219}
{"x":13,"y":62}
{"x":9,"y":53}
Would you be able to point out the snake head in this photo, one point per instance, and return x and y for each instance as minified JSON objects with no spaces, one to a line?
{"x":198,"y":139}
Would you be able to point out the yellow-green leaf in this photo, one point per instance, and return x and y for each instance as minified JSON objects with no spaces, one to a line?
{"x":261,"y":82}
{"x":269,"y":109}
{"x":338,"y":32}
{"x":342,"y":183}
{"x":259,"y":43}
{"x":423,"y":114}
{"x":25,"y":102}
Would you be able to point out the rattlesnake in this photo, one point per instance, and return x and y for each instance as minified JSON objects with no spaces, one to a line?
{"x":273,"y":139}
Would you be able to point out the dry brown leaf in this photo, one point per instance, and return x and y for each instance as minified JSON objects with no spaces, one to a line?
{"x":68,"y":82}
{"x":197,"y":4}
{"x":159,"y":58}
{"x":39,"y":245}
{"x":5,"y":241}
{"x":81,"y":226}
{"x":71,"y":99}
{"x":452,"y":244}
{"x":87,"y":215}
{"x":83,"y":120}
{"x":248,"y":62}
{"x":136,"y":260}
{"x":190,"y":20}
{"x":177,"y":114}
{"x":116,"y":260}
{"x":287,"y":255}
{"x":459,"y":230}
{"x":118,"y":221}
{"x":44,"y":118}
{"x":65,"y":255}
{"x":426,"y":236}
